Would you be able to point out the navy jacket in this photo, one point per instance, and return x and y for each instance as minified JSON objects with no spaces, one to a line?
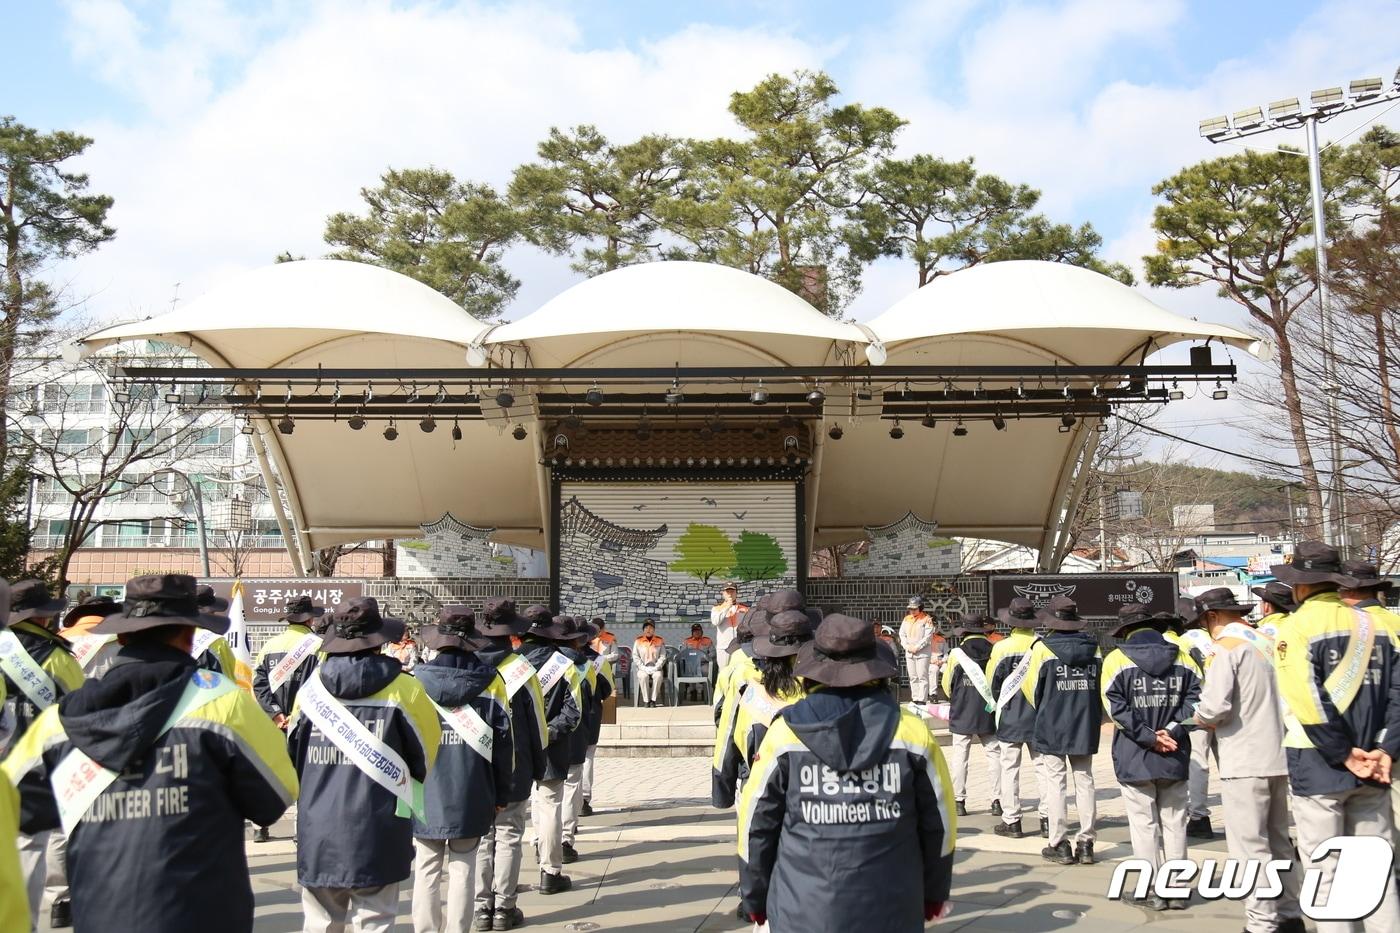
{"x":1150,"y":684}
{"x":561,"y":713}
{"x":969,"y":714}
{"x":1063,"y":686}
{"x":348,"y":833}
{"x":462,"y":792}
{"x":528,"y":733}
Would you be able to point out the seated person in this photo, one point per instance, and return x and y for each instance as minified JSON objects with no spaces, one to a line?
{"x":649,"y":660}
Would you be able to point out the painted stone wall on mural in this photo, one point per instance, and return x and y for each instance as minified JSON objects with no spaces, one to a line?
{"x":453,"y":548}
{"x":907,"y":547}
{"x":629,"y":551}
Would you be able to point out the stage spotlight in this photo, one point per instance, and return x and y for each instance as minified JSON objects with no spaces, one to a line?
{"x":896,"y":432}
{"x":391,"y":433}
{"x":835,"y":433}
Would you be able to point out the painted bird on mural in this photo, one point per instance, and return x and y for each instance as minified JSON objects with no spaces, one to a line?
{"x":709,"y":501}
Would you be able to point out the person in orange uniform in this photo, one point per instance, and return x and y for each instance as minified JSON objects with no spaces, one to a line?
{"x":698,"y":639}
{"x":606,"y":642}
{"x":649,"y":660}
{"x":916,"y":634}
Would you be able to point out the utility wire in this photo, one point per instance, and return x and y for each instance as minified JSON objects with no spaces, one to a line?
{"x":1220,"y":450}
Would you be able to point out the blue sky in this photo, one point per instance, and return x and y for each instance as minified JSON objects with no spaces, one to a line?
{"x":228,"y":131}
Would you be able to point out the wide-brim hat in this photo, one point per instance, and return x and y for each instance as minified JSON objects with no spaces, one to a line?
{"x":979,"y":623}
{"x":1366,"y":574}
{"x":585,"y":629}
{"x":844,"y":653}
{"x":1222,"y":599}
{"x":1020,"y":609}
{"x":1277,"y":594}
{"x":787,"y":632}
{"x":500,"y":620}
{"x":1136,"y":615}
{"x":757,"y":622}
{"x":302,"y":609}
{"x":455,"y":628}
{"x":92,"y":606}
{"x":553,"y":628}
{"x":1061,"y":614}
{"x":160,"y":599}
{"x":784,"y":600}
{"x":209,"y":602}
{"x":30,"y":599}
{"x":359,"y":627}
{"x":1313,"y":562}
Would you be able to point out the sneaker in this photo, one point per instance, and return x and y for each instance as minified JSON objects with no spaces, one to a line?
{"x":1061,"y":854}
{"x":586,"y":809}
{"x":507,"y":918}
{"x":61,"y":914}
{"x":551,"y":883}
{"x":262,"y":835}
{"x":1009,"y":830}
{"x":1199,"y":828}
{"x":996,"y":808}
{"x":482,"y":920}
{"x":570,"y":854}
{"x":962,"y":808}
{"x":1044,"y":828}
{"x":1084,"y":853}
{"x":1150,"y":902}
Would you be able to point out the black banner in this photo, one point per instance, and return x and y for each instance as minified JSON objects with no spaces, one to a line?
{"x":1099,"y":595}
{"x":264,"y":598}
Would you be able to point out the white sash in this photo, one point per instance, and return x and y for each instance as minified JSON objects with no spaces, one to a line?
{"x":78,"y":781}
{"x":292,"y":660}
{"x":1012,"y":684}
{"x":556,"y":667}
{"x":762,"y":707}
{"x":363,"y":748}
{"x":975,"y":676}
{"x":87,"y":646}
{"x":203,"y":638}
{"x":1244,"y":633}
{"x":1346,"y":678}
{"x":516,"y":672}
{"x":467,"y":723}
{"x":604,"y":669}
{"x":31,"y":679}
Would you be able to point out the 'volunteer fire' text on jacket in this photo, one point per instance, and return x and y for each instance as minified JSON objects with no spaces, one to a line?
{"x":348,"y":832}
{"x":162,"y":849}
{"x":463,"y":789}
{"x":1063,"y":686}
{"x":846,"y":821}
{"x":1150,"y":684}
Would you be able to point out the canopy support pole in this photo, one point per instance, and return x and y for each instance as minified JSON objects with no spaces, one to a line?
{"x":292,"y":542}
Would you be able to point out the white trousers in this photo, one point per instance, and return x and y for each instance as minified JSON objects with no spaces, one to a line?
{"x":1198,"y":787}
{"x":33,"y":868}
{"x":498,"y":859}
{"x":432,"y":859}
{"x":55,"y":857}
{"x":1011,"y":781}
{"x":572,"y":803}
{"x":1364,"y":811}
{"x":918,"y":664}
{"x":1057,"y":772}
{"x":649,"y":684}
{"x":1256,"y":829}
{"x":588,"y":773}
{"x":363,"y":910}
{"x":1156,"y":819}
{"x":959,"y":755}
{"x":549,"y":825}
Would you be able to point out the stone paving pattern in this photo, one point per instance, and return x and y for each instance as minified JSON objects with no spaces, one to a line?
{"x":656,"y":857}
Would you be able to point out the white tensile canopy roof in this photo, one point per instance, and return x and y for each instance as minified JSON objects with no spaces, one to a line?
{"x":344,"y":485}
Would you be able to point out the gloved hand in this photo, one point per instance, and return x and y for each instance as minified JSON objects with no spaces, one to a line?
{"x":936,"y":910}
{"x":759,"y":919}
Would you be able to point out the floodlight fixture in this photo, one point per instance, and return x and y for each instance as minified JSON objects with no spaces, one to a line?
{"x":816,"y":398}
{"x":835,"y":433}
{"x":356,"y":422}
{"x":519,"y":432}
{"x":1249,"y":118}
{"x":1067,"y":421}
{"x":896,"y":432}
{"x":456,"y":430}
{"x":864,"y":394}
{"x":1364,"y":88}
{"x":1063,"y":429}
{"x":1220,"y":393}
{"x":173,"y":396}
{"x":1215,"y":127}
{"x":759,"y":396}
{"x":929,"y":421}
{"x":391,"y":433}
{"x":1101,"y":427}
{"x":505,"y":398}
{"x":674,"y":395}
{"x":428,"y":425}
{"x":960,"y":430}
{"x":1176,"y":394}
{"x":286,"y":425}
{"x":594,"y":396}
{"x":1284,"y":109}
{"x":998,"y":422}
{"x":1328,"y":98}
{"x":120,"y":397}
{"x":248,"y":426}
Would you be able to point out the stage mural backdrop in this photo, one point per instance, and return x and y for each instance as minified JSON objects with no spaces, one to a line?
{"x":633,"y":551}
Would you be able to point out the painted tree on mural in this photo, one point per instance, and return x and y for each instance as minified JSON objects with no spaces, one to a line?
{"x":757,"y":556}
{"x":703,"y":551}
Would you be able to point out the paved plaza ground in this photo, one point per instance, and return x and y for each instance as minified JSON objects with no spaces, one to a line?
{"x":656,"y":857}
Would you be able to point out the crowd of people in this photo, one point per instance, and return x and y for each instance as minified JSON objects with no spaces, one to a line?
{"x":133,"y":760}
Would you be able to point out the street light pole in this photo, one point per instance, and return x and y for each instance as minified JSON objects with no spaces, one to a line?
{"x":1289,"y":114}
